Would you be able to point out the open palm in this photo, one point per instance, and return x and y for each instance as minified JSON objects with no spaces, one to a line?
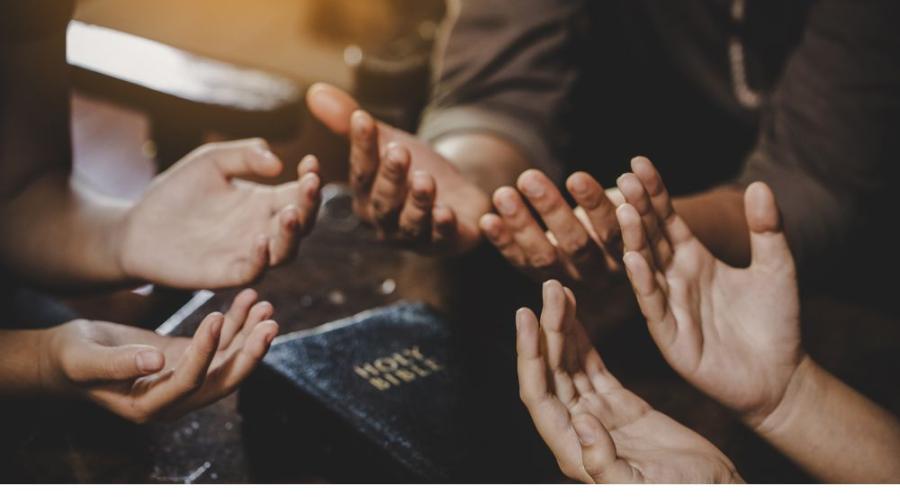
{"x":599,"y":431}
{"x":733,"y":333}
{"x":197,"y":226}
{"x":143,"y":376}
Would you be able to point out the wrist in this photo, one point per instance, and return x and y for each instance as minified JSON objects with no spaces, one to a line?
{"x":111,"y":218}
{"x":801,"y":392}
{"x":54,"y":380}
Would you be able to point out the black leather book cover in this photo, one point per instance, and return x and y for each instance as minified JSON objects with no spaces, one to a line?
{"x":392,"y":394}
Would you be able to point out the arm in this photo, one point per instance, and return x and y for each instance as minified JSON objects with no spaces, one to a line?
{"x":832,"y":431}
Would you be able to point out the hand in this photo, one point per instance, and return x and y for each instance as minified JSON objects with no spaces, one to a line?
{"x":599,"y":431}
{"x":197,"y":226}
{"x":411,"y":194}
{"x":732,"y":333}
{"x":581,"y":245}
{"x":143,"y":376}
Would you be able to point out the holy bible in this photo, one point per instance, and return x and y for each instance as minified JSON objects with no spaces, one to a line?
{"x":395,"y":394}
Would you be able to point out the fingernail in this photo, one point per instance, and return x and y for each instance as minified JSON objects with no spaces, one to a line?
{"x":586,"y":434}
{"x":505,"y":204}
{"x":579,"y":185}
{"x":532,"y":188}
{"x":149,"y":361}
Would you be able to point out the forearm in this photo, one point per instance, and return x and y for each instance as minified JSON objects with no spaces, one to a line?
{"x":61,"y":236}
{"x":23,"y":361}
{"x":717,"y":218}
{"x":486,"y":160}
{"x":832,"y":431}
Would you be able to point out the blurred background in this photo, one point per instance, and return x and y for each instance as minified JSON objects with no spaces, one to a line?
{"x":154,"y":79}
{"x":377,"y":48}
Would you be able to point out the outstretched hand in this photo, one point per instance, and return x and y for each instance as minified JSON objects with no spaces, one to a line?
{"x":599,"y":431}
{"x":411,"y":194}
{"x":733,"y":333}
{"x":143,"y":376}
{"x":199,"y":226}
{"x":582,"y":244}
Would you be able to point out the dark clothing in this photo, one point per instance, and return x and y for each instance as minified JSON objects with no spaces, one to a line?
{"x":34,"y":123}
{"x":34,"y":91}
{"x":586,"y":84}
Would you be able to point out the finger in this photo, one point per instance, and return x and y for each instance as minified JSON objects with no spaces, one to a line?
{"x":598,"y":453}
{"x":601,"y":212}
{"x":295,"y":220}
{"x":260,"y":312}
{"x":303,"y":192}
{"x":190,"y":372}
{"x":88,"y":362}
{"x":237,"y":369}
{"x":331,"y":106}
{"x":548,"y":414}
{"x":634,"y":237}
{"x":364,"y":156}
{"x":242,"y":158}
{"x":444,"y":231}
{"x":309,"y":164}
{"x":389,"y":188}
{"x":236,"y":315}
{"x":282,"y":244}
{"x":768,"y":244}
{"x":539,"y":252}
{"x":571,"y":237}
{"x":674,"y":226}
{"x":554,"y":320}
{"x":415,"y":217}
{"x":530,"y":364}
{"x":637,"y":197}
{"x":493,"y":227}
{"x":651,"y":299}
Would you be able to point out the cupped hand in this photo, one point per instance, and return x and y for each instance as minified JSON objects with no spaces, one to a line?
{"x":581,"y":245}
{"x":143,"y":376}
{"x":733,"y":333}
{"x":599,"y":431}
{"x":411,"y":194}
{"x":199,"y":226}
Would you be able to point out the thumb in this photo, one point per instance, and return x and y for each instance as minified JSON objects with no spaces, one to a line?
{"x":241,"y":158}
{"x":598,"y":452}
{"x":331,"y":106}
{"x":768,"y":244}
{"x":92,"y":362}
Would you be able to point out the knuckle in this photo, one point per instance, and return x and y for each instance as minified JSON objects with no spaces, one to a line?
{"x":542,"y":260}
{"x":576,"y":246}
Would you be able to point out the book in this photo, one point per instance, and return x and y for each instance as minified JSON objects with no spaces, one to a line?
{"x":394,"y":394}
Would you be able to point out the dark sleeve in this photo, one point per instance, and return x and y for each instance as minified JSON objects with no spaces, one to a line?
{"x":830,"y":138}
{"x":506,"y":68}
{"x":34,"y":92}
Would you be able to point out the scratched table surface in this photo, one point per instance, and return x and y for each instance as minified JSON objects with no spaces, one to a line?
{"x":342,"y":270}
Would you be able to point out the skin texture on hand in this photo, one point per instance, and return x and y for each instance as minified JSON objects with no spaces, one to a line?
{"x":733,"y":333}
{"x":199,"y":226}
{"x":143,"y":376}
{"x":582,"y":245}
{"x":599,"y":431}
{"x":411,"y":194}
